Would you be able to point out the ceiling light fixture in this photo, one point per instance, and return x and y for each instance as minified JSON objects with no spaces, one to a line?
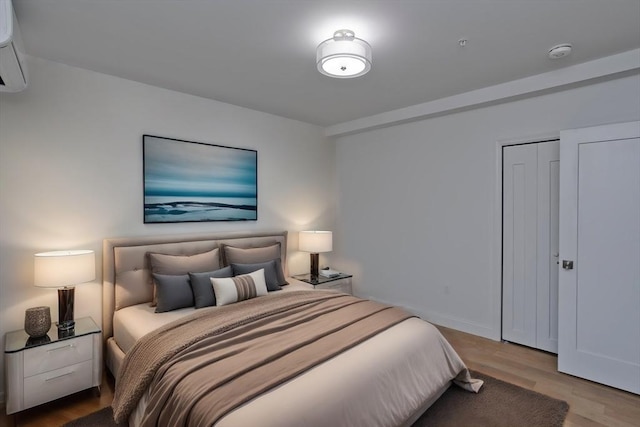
{"x":344,"y":56}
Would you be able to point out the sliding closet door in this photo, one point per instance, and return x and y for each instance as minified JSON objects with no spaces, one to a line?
{"x":547,"y":246}
{"x":519,"y":237}
{"x":530,"y":245}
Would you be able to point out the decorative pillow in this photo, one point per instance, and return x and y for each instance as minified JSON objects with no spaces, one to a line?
{"x":173,"y":292}
{"x":270,"y":272}
{"x":233,"y":255}
{"x":202,"y":288}
{"x":177,"y":265}
{"x":239,"y":288}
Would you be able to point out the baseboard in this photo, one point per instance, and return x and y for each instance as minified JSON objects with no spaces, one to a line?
{"x":448,"y":321}
{"x":460,"y":325}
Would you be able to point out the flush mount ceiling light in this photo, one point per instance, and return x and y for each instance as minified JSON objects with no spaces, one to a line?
{"x":344,"y":56}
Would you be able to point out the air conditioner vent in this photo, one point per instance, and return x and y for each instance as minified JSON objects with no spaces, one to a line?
{"x":13,"y":71}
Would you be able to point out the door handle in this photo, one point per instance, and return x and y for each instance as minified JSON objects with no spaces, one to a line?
{"x":567,"y":265}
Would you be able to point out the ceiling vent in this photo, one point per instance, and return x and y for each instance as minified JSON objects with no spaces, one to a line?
{"x":13,"y":69}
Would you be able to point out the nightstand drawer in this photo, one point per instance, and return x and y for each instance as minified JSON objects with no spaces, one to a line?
{"x":60,"y":382}
{"x":57,"y":355}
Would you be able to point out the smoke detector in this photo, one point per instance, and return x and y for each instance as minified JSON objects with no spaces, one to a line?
{"x":560,"y":51}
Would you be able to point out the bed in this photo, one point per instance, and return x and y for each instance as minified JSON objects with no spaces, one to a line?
{"x":387,"y":376}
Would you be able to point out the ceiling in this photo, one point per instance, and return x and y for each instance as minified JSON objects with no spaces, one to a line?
{"x":260,"y":54}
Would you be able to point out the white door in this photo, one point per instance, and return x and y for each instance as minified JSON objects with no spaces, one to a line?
{"x":548,"y":246}
{"x":599,"y":298}
{"x":530,"y":244}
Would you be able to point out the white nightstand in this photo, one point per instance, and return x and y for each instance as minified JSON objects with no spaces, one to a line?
{"x":43,"y":369}
{"x":340,"y":283}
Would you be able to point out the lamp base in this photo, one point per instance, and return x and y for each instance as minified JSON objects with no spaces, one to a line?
{"x":65,"y":309}
{"x":315,"y":266}
{"x":66,"y":326}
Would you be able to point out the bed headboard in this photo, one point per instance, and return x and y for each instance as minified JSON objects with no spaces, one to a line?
{"x":126,"y":277}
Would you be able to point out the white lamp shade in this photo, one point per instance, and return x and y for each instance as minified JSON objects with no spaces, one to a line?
{"x":343,"y":56}
{"x":315,"y":241}
{"x":64,"y":268}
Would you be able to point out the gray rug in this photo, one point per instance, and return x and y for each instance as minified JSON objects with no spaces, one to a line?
{"x":497,"y":404}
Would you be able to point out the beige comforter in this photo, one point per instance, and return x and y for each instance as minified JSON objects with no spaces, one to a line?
{"x":201,"y":367}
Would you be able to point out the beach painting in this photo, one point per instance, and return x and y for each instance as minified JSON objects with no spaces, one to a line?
{"x":193,"y":182}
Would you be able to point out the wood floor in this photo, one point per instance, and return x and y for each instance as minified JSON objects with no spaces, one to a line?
{"x":591,"y":404}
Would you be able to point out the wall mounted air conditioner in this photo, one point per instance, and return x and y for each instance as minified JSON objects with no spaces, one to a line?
{"x":13,"y":69}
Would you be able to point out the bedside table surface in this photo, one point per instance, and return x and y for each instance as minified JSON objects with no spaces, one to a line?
{"x":19,"y":340}
{"x":321,"y":279}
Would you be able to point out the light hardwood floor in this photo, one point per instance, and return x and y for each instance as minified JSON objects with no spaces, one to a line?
{"x":591,"y":404}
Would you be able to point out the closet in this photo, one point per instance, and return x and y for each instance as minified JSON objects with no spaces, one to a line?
{"x":530,"y":244}
{"x":571,"y":251}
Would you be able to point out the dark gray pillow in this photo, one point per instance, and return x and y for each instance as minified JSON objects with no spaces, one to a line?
{"x":173,"y":292}
{"x":175,"y":265}
{"x":270,"y":272}
{"x":233,"y":255}
{"x":202,"y":288}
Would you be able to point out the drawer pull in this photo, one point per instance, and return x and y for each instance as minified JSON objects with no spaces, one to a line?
{"x":60,"y":376}
{"x":61,"y":348}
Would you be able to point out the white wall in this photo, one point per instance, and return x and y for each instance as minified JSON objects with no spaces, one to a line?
{"x":418,"y":204}
{"x":71,"y":173}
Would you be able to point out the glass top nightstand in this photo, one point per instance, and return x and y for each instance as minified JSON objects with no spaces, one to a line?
{"x":321,"y":279}
{"x":20,"y":340}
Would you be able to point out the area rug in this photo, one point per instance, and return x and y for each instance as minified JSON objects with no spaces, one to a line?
{"x":497,"y":404}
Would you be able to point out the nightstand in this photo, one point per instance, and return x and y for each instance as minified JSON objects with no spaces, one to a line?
{"x":340,"y":283}
{"x":56,"y":365}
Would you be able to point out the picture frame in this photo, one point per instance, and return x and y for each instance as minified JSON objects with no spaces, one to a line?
{"x":188,"y":181}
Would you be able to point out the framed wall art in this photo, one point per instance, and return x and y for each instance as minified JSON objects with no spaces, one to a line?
{"x":188,"y":181}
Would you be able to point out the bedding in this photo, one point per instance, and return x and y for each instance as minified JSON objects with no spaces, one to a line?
{"x":243,"y":351}
{"x":173,"y":265}
{"x":133,"y":322}
{"x":239,"y":288}
{"x":172,"y":292}
{"x":234,"y":255}
{"x":270,"y":272}
{"x":388,"y":379}
{"x":201,"y":286}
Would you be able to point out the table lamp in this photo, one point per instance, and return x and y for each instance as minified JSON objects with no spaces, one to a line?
{"x":315,"y":242}
{"x":64,"y":270}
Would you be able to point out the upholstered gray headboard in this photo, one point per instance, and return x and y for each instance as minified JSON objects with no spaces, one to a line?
{"x":125,"y":270}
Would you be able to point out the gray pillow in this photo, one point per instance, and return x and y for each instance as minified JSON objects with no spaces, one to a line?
{"x":173,"y":292}
{"x":270,"y":272}
{"x":234,"y":255}
{"x":202,"y":288}
{"x":177,"y":265}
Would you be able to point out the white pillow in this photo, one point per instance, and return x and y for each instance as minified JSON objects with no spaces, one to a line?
{"x":239,"y":288}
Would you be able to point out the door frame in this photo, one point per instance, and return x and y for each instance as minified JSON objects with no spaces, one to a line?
{"x":496,"y":294}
